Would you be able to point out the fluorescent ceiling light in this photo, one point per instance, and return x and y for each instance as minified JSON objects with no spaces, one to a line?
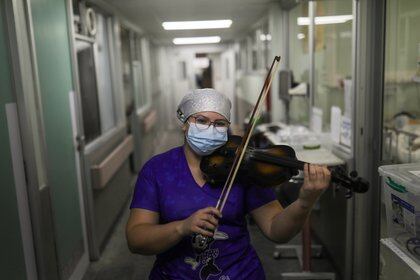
{"x":196,"y":40}
{"x":203,"y":24}
{"x":265,"y":37}
{"x":325,"y":19}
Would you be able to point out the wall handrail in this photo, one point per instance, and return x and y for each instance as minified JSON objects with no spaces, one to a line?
{"x":105,"y":170}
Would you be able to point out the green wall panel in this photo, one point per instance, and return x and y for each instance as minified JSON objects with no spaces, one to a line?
{"x":12,"y":263}
{"x":54,"y":67}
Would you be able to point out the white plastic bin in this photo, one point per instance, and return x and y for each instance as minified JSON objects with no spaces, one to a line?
{"x":401,"y":195}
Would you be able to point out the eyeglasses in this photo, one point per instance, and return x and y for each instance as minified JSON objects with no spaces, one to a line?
{"x":203,"y":123}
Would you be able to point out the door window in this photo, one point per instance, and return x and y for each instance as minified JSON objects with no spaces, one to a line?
{"x":299,"y":64}
{"x":401,"y":107}
{"x":126,"y":67}
{"x":88,"y":90}
{"x":333,"y":57}
{"x":103,"y":66}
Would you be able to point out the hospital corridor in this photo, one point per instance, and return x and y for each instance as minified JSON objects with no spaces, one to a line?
{"x":210,"y":140}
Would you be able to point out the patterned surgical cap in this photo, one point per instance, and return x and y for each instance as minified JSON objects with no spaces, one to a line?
{"x":203,"y":100}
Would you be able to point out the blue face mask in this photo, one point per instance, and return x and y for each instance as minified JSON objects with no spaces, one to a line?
{"x":205,"y":141}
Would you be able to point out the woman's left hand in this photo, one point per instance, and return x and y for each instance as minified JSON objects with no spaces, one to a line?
{"x":316,"y":180}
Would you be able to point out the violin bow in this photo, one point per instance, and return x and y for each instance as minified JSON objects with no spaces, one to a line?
{"x":240,"y":152}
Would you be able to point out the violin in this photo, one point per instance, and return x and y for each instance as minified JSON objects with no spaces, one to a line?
{"x":267,"y":167}
{"x":225,"y":164}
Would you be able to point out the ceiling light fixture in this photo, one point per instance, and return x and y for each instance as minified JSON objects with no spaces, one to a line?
{"x":325,"y":20}
{"x":201,"y":24}
{"x":196,"y":40}
{"x":265,"y":37}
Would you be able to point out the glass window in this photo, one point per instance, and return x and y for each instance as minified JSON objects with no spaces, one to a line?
{"x":227,"y":68}
{"x":260,"y":42}
{"x":126,"y":68}
{"x":254,"y":51}
{"x":137,"y":47}
{"x":138,"y":84}
{"x":299,"y":64}
{"x":88,"y":90}
{"x":401,"y":108}
{"x":243,"y":55}
{"x":95,"y":79}
{"x":141,"y":64}
{"x":154,"y":65}
{"x":333,"y":57}
{"x":105,"y":96}
{"x":146,"y":91}
{"x":265,"y":38}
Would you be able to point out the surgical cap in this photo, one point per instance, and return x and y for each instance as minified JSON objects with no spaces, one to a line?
{"x":203,"y":100}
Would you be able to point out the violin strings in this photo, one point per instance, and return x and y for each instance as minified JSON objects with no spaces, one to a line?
{"x":242,"y":148}
{"x":284,"y":161}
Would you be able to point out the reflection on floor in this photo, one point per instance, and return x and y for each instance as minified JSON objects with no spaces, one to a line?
{"x":117,"y":262}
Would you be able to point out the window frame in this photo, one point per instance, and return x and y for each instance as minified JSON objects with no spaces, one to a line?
{"x":111,"y":23}
{"x":139,"y":57}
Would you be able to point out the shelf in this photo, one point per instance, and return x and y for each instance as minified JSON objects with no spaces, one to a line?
{"x":400,"y":257}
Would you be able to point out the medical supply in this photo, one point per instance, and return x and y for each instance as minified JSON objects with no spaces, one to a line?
{"x":401,"y":195}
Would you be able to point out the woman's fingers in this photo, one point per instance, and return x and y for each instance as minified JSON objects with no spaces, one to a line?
{"x":316,"y":176}
{"x":206,"y":221}
{"x":202,"y":231}
{"x":319,"y":173}
{"x":211,"y":219}
{"x":312,"y":172}
{"x":327,"y":173}
{"x":211,"y":215}
{"x":212,"y":210}
{"x":203,"y":221}
{"x":206,"y":225}
{"x":317,"y":179}
{"x":306,"y":171}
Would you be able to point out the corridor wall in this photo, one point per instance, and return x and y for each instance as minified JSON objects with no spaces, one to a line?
{"x":12,"y":263}
{"x":55,"y":82}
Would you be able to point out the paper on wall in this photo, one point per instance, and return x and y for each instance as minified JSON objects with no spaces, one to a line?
{"x":345,"y":134}
{"x":348,"y":98}
{"x":335,"y":124}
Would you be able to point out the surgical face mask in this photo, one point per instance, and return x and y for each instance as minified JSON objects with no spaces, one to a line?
{"x":204,"y":140}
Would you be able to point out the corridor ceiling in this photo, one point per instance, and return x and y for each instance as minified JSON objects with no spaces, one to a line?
{"x":149,"y":15}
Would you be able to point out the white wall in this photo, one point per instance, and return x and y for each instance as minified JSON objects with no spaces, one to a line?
{"x":228,"y":79}
{"x":167,"y":110}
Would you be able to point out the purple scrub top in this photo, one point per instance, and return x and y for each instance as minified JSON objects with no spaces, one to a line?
{"x":165,"y":185}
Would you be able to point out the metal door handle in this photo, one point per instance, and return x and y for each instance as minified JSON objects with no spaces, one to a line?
{"x":80,"y":142}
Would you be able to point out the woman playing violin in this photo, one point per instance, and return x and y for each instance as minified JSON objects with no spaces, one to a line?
{"x":172,"y":202}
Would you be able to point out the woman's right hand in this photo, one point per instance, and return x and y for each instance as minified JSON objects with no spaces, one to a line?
{"x":204,"y":222}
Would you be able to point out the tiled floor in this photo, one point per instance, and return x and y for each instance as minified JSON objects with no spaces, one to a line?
{"x":118,"y":263}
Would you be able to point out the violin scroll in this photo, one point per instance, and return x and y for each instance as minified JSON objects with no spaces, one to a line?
{"x":353,"y":182}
